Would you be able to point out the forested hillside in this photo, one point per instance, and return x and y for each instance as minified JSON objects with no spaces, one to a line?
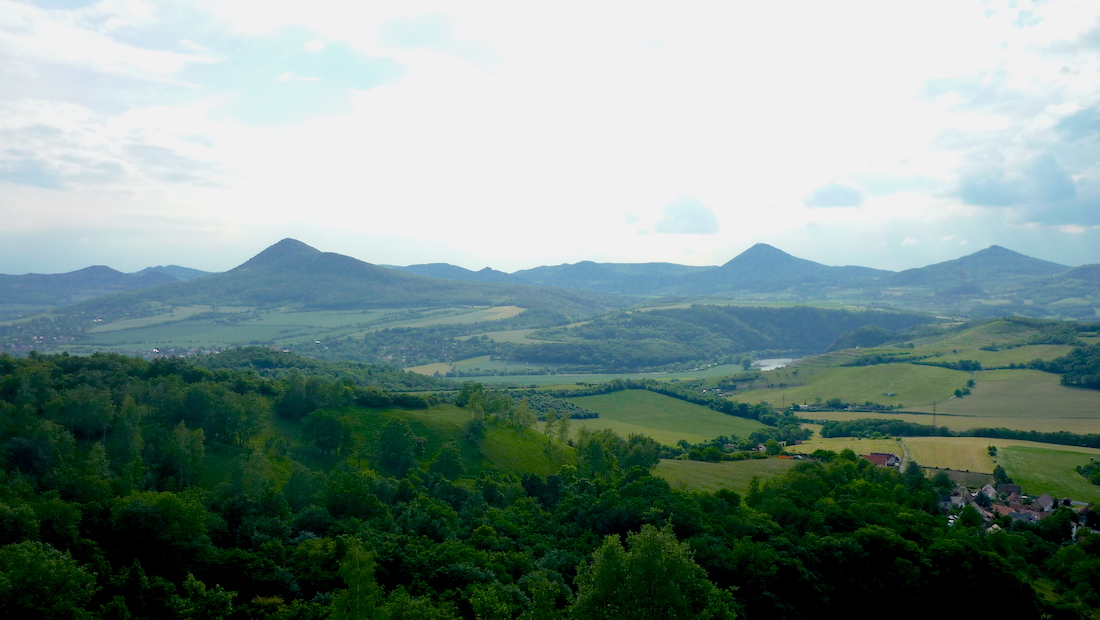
{"x":293,"y":273}
{"x":637,"y":340}
{"x":133,"y":489}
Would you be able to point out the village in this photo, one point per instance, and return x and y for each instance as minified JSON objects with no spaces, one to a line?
{"x":1002,"y":505}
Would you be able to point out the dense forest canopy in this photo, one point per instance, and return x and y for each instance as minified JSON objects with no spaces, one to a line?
{"x":166,"y":490}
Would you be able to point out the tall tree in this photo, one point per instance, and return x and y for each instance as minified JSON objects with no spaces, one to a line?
{"x":397,"y":446}
{"x":361,"y":598}
{"x":522,"y":416}
{"x":656,"y":578}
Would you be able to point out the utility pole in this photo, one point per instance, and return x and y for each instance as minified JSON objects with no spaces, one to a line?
{"x":933,"y":417}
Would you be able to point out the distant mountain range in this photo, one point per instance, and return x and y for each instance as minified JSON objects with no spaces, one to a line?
{"x":291,"y":272}
{"x":984,"y":268}
{"x":448,"y":271}
{"x":766,"y":269}
{"x":62,"y":289}
{"x":177,"y":272}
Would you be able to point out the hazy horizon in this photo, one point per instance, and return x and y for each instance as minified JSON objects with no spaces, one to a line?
{"x":493,"y":134}
{"x":465,"y":266}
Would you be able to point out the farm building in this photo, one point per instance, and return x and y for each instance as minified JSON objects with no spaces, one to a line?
{"x":883,"y":459}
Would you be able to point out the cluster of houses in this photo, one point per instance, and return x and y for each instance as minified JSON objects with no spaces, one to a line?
{"x":1003,"y":500}
{"x":1008,"y":500}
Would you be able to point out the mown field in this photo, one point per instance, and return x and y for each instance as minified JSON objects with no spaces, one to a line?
{"x":733,"y":475}
{"x":666,"y":419}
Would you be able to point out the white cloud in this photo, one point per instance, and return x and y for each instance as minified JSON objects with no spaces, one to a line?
{"x":910,"y":241}
{"x":30,"y":35}
{"x":495,"y":123}
{"x":687,"y":217}
{"x":290,"y":76}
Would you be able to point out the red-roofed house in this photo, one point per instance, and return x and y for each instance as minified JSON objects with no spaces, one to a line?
{"x":883,"y":459}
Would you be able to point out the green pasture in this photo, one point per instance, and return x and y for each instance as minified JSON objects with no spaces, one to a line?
{"x":1043,"y":470}
{"x":910,"y":384}
{"x":175,"y":327}
{"x":733,"y":475}
{"x":1004,"y":357}
{"x":485,"y":363}
{"x":1027,"y":395}
{"x":666,"y":419}
{"x":174,"y":314}
{"x":987,"y":334}
{"x":452,"y":316}
{"x":193,"y":334}
{"x":325,"y":319}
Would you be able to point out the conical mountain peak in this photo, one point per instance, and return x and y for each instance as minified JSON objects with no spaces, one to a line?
{"x":287,"y":249}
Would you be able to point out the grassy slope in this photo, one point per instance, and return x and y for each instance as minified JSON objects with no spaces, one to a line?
{"x":910,"y":384}
{"x":567,"y":381}
{"x":1004,"y":357}
{"x":1028,"y":394}
{"x":172,"y":328}
{"x":734,"y":475}
{"x":663,"y":418}
{"x":1040,"y":470}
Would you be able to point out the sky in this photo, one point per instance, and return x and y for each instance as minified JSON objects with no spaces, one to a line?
{"x":880,"y":133}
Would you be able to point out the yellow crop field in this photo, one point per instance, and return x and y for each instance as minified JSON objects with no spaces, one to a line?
{"x":971,"y":453}
{"x":855,"y":444}
{"x":431,"y":369}
{"x":959,"y":453}
{"x":958,"y":422}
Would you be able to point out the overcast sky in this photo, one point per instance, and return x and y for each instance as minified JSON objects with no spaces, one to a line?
{"x":515,"y":134}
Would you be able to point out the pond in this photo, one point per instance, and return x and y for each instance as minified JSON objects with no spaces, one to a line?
{"x":772,"y":364}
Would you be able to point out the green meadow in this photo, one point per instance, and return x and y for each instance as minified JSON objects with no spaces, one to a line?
{"x":1023,"y":400}
{"x":733,"y":475}
{"x":1043,"y":470}
{"x":208,"y":326}
{"x":886,"y":384}
{"x":666,"y":419}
